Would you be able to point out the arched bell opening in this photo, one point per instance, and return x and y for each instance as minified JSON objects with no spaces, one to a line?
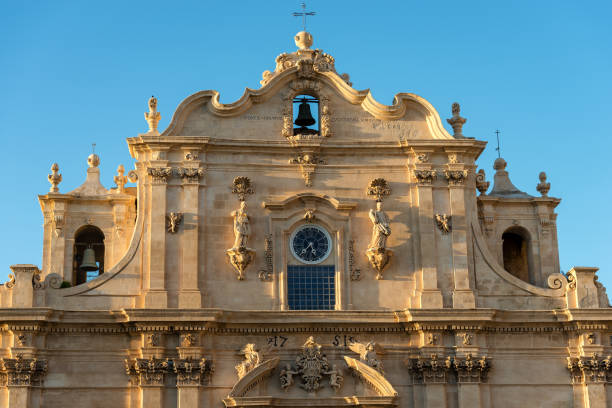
{"x":517,"y":253}
{"x":88,"y":261}
{"x":306,"y":114}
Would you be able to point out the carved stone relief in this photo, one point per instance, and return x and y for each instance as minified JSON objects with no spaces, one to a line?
{"x":173,"y":220}
{"x":312,"y":366}
{"x":444,"y":222}
{"x":457,"y":121}
{"x":354,"y":272}
{"x":267,"y":273}
{"x":368,"y":354}
{"x":252,"y":358}
{"x":482,"y":185}
{"x":308,"y":163}
{"x":543,"y":187}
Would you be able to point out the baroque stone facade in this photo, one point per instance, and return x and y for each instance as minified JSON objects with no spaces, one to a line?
{"x":261,"y":259}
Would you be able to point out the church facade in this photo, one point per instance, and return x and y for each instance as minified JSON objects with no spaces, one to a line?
{"x":305,"y":245}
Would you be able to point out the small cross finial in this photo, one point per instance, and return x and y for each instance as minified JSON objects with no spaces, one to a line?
{"x":303,"y":14}
{"x":93,"y":148}
{"x":498,"y":149}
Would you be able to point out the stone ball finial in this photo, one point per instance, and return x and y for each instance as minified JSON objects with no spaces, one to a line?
{"x":542,"y":176}
{"x":303,"y":40}
{"x":499,"y":164}
{"x":93,"y":160}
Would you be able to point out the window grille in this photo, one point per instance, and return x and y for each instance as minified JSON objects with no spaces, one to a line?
{"x":311,"y":287}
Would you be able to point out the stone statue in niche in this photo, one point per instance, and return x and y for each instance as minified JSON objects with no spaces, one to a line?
{"x":377,"y":251}
{"x":242,"y":229}
{"x":381,"y":229}
{"x":240,"y":255}
{"x":335,"y":378}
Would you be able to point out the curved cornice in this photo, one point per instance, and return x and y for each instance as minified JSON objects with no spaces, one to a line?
{"x":363,"y":98}
{"x":337,"y":204}
{"x":556,"y":281}
{"x":372,"y":377}
{"x":252,"y":378}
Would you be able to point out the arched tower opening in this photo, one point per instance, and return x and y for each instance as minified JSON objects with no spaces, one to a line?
{"x":88,"y":259}
{"x":516,"y":252}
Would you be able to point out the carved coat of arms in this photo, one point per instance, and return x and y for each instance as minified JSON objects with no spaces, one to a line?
{"x":312,"y":365}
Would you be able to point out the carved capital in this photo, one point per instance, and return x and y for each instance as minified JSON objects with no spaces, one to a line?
{"x":455,"y":177}
{"x":471,"y":370}
{"x":429,"y":370}
{"x":21,"y":371}
{"x":159,"y":175}
{"x":190,"y":175}
{"x":425,"y":176}
{"x":151,"y":371}
{"x":592,"y":369}
{"x":193,"y":372}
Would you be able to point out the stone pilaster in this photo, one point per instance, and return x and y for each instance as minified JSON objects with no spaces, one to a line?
{"x":189,"y":296}
{"x":424,"y":176}
{"x":156,"y":295}
{"x":23,"y":377}
{"x":456,"y":176}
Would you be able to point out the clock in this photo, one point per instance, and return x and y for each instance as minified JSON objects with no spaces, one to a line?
{"x":311,"y":244}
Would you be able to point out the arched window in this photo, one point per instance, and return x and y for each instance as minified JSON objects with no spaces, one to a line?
{"x":305,"y":114}
{"x":515,"y":244}
{"x":88,"y":261}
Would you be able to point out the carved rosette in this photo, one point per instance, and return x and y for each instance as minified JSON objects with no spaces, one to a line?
{"x":425,"y":177}
{"x":159,"y":175}
{"x":21,"y":371}
{"x":455,"y":177}
{"x":193,"y":372}
{"x":190,"y":175}
{"x":151,"y":371}
{"x":592,"y":369}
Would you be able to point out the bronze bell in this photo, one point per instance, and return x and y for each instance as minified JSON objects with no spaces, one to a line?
{"x":89,"y":260}
{"x":304,"y":118}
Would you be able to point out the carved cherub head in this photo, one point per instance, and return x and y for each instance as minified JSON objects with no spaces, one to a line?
{"x":379,"y":206}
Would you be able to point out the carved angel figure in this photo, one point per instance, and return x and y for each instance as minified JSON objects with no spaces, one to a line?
{"x":251,"y":359}
{"x":242,"y":229}
{"x":368,"y":354}
{"x":381,"y":229}
{"x":335,"y":378}
{"x":286,"y":376}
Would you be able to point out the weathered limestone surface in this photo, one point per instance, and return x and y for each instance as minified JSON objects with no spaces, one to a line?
{"x":193,"y":308}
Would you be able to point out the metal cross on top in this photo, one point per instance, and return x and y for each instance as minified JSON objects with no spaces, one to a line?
{"x":303,"y":14}
{"x":498,"y":150}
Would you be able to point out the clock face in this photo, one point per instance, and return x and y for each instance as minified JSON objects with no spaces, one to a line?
{"x":310,"y":244}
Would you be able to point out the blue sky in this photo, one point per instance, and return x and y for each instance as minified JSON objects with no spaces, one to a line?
{"x":79,"y":72}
